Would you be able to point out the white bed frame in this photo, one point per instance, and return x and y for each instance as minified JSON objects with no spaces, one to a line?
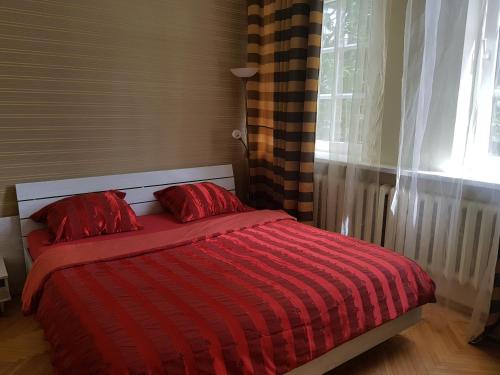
{"x":140,"y":188}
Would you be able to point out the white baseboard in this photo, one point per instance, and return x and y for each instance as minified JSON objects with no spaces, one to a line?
{"x":11,"y":250}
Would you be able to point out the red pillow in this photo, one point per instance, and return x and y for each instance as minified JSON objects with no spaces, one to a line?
{"x":195,"y":201}
{"x":88,"y":215}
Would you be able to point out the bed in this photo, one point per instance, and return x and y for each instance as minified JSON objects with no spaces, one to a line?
{"x":254,"y":292}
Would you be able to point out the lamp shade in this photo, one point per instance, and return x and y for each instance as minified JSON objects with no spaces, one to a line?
{"x":244,"y":72}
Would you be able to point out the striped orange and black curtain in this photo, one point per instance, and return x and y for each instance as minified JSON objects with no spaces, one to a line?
{"x":284,"y":40}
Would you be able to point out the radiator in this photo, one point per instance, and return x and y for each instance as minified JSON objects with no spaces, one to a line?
{"x":424,"y":236}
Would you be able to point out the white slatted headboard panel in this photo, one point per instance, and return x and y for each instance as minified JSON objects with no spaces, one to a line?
{"x":139,"y":188}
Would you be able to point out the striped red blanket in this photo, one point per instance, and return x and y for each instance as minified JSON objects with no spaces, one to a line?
{"x":257,"y":293}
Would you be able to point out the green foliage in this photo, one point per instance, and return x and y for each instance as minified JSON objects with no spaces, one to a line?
{"x":495,"y":129}
{"x":346,"y":19}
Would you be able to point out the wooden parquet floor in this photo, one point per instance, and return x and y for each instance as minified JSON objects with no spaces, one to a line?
{"x":437,"y":345}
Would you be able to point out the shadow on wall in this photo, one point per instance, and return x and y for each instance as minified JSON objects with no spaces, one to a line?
{"x":241,"y":177}
{"x":11,"y":250}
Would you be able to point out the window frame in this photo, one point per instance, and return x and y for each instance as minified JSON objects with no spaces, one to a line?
{"x":486,"y":94}
{"x":337,"y":97}
{"x":477,"y":151}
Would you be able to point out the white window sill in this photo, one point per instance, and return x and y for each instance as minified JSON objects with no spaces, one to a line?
{"x":490,"y":182}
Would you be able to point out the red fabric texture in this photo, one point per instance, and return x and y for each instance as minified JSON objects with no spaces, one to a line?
{"x":39,"y":240}
{"x":87,"y":215}
{"x":190,"y":202}
{"x":262,"y":298}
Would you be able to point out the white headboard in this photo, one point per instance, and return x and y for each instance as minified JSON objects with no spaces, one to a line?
{"x":139,"y":188}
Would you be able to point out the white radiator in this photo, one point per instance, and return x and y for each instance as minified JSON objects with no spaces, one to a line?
{"x":429,"y":240}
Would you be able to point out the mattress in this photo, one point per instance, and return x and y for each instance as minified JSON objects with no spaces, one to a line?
{"x":248,"y":293}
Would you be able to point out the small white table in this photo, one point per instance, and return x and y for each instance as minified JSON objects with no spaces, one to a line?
{"x":4,"y":285}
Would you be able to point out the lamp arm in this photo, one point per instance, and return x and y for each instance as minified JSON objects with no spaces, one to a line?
{"x":244,"y":144}
{"x":244,"y":82}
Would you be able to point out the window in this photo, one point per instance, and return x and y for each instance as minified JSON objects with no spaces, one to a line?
{"x":339,"y":49}
{"x":349,"y":122}
{"x":488,"y":125}
{"x":482,"y":141}
{"x":494,"y":136}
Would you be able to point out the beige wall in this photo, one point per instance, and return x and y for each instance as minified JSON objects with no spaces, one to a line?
{"x":112,"y":86}
{"x":394,"y":73}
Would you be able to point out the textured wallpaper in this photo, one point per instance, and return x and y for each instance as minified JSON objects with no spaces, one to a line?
{"x":115,"y":86}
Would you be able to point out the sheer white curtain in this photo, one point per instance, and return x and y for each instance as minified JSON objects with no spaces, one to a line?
{"x":350,"y":104}
{"x":444,"y":210}
{"x":448,"y":160}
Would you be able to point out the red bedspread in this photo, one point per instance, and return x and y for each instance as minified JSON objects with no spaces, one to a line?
{"x":252,"y":293}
